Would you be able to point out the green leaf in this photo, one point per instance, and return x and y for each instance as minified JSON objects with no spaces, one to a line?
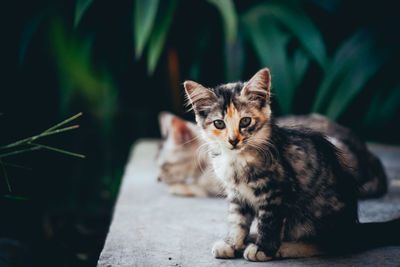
{"x":27,"y":34}
{"x":234,"y":60}
{"x":353,"y":83}
{"x":229,"y":18}
{"x":143,"y":20}
{"x":300,"y":64}
{"x":270,"y":46}
{"x":159,"y":35}
{"x":291,"y":15}
{"x":356,"y":46}
{"x":382,"y":108}
{"x":80,"y":9}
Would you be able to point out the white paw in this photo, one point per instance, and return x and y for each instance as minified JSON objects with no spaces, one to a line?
{"x":223,"y":250}
{"x":251,"y":253}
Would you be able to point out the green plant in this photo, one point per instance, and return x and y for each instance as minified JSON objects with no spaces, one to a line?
{"x":282,"y":34}
{"x":270,"y":27}
{"x":29,"y":144}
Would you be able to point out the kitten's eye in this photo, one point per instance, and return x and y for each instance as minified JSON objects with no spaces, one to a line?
{"x":244,"y":122}
{"x":219,"y":124}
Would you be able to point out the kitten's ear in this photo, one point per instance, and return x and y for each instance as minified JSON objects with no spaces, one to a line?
{"x":164,"y":120}
{"x":259,"y":86}
{"x":182,"y":132}
{"x":172,"y":126}
{"x":198,"y":96}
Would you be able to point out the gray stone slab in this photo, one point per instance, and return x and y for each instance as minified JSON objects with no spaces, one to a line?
{"x":150,"y":227}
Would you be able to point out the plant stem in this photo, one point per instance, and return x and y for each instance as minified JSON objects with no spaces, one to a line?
{"x":19,"y":151}
{"x":33,"y":138}
{"x":58,"y":150}
{"x":5,"y":176}
{"x":15,"y":197}
{"x":63,"y":122}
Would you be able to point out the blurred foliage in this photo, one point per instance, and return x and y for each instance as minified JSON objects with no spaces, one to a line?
{"x":282,"y":34}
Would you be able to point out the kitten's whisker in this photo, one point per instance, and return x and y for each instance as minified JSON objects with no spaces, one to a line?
{"x":190,"y":140}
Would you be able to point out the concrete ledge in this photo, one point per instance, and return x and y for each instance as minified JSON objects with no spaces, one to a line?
{"x":150,"y":227}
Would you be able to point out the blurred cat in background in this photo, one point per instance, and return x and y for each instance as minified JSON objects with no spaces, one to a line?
{"x":183,"y":162}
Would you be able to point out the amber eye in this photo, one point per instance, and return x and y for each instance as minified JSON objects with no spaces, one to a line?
{"x":219,"y":124}
{"x":244,"y":122}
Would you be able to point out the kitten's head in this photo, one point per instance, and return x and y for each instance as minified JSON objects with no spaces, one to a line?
{"x":176,"y":156}
{"x":234,"y":116}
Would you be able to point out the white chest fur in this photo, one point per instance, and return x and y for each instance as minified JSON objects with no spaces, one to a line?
{"x":227,"y":165}
{"x":230,"y":166}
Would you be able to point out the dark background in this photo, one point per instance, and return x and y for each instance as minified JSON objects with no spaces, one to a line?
{"x":54,"y":66}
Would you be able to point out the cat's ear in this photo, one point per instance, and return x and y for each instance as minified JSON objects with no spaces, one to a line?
{"x":259,"y":87}
{"x":182,"y":132}
{"x":164,"y":121}
{"x":199,"y":97}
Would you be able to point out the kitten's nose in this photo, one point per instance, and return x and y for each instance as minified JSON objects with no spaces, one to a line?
{"x":234,"y":142}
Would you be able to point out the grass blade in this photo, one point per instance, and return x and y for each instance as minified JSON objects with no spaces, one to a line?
{"x":5,"y":176}
{"x":19,"y":151}
{"x":63,"y":122}
{"x":43,"y":134}
{"x":58,"y":150}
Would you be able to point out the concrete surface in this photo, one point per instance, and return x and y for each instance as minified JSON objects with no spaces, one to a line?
{"x":150,"y":227}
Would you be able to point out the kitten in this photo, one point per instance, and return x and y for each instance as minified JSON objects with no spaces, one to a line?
{"x":179,"y":162}
{"x":292,"y":181}
{"x":193,"y":178}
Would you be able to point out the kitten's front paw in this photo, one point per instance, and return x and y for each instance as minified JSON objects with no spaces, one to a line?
{"x":223,"y":250}
{"x":252,"y":253}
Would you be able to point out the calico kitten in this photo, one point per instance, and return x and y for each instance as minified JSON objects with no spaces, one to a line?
{"x":193,"y":178}
{"x":292,"y":181}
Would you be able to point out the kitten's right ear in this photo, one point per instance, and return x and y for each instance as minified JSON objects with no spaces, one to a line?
{"x":199,"y":97}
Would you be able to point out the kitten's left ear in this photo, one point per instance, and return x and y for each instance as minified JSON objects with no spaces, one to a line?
{"x":259,"y":86}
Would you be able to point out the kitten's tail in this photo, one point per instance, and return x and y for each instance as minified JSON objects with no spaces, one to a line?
{"x":377,"y":234}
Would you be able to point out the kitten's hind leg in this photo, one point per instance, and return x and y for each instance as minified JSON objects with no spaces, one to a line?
{"x":188,"y":190}
{"x":298,"y":250}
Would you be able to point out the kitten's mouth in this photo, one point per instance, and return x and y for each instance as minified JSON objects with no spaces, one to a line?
{"x":236,"y":148}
